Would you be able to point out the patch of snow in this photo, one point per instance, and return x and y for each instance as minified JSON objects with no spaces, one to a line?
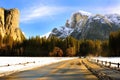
{"x":46,"y":35}
{"x":109,"y":59}
{"x":85,"y":13}
{"x":97,"y":17}
{"x":114,"y":18}
{"x":66,"y":31}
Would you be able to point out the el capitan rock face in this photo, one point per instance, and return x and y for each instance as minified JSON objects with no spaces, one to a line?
{"x":84,"y":25}
{"x":2,"y":29}
{"x":9,"y":24}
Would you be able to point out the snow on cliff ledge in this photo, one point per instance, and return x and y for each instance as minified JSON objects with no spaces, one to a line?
{"x":84,"y":13}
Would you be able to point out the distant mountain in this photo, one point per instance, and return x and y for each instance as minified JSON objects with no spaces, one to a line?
{"x":9,"y":25}
{"x":84,"y":25}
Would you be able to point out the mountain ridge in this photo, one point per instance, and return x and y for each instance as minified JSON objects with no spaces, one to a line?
{"x":84,"y":25}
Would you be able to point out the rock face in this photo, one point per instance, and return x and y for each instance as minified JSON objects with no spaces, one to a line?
{"x":2,"y":28}
{"x":9,"y":24}
{"x":84,"y":25}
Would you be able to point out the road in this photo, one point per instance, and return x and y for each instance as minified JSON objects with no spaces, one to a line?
{"x":65,"y":70}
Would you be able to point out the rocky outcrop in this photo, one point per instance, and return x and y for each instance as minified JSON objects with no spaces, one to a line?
{"x":77,"y":19}
{"x":9,"y":24}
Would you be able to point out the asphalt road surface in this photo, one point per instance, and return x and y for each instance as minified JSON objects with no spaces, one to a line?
{"x":65,"y":70}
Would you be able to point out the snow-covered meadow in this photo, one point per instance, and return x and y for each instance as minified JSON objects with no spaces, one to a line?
{"x":9,"y":65}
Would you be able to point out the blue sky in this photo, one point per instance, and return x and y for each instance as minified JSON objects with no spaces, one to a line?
{"x":39,"y":17}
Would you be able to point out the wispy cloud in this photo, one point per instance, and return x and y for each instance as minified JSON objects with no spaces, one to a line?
{"x":115,"y":9}
{"x":107,"y":10}
{"x":37,"y":12}
{"x":40,"y":12}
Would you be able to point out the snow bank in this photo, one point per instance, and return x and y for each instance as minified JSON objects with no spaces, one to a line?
{"x":108,"y":59}
{"x":9,"y":65}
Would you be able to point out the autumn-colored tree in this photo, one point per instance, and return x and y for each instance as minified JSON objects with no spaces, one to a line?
{"x":56,"y":52}
{"x":70,"y":51}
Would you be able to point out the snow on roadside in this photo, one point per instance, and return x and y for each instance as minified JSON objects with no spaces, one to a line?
{"x":108,"y":59}
{"x":9,"y":65}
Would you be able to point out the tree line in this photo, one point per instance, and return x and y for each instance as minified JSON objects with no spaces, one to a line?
{"x":55,"y":47}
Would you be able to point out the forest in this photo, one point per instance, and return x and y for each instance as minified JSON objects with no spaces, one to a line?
{"x":55,"y":47}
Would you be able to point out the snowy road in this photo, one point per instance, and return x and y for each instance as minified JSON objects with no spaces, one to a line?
{"x":10,"y":65}
{"x":65,"y":70}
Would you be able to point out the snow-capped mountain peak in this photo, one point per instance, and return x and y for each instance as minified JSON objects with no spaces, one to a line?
{"x":84,"y":25}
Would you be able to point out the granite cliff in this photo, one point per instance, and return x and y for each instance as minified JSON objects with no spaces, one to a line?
{"x":9,"y":24}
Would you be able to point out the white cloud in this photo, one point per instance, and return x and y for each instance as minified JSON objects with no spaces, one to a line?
{"x":37,"y":12}
{"x":42,"y":11}
{"x":115,"y":9}
{"x":108,"y":10}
